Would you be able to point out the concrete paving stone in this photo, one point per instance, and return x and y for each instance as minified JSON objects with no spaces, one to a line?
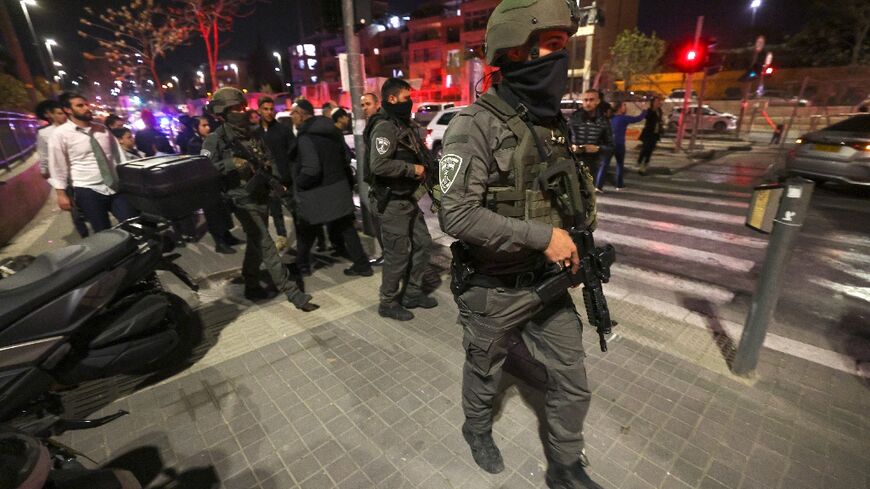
{"x":230,"y":465}
{"x":650,"y":472}
{"x":378,"y":469}
{"x":251,"y":435}
{"x":660,"y":455}
{"x":279,"y":479}
{"x":696,"y":456}
{"x":634,"y":481}
{"x":257,"y":452}
{"x":342,"y":468}
{"x":623,"y":455}
{"x":365,"y":453}
{"x":243,"y":480}
{"x":319,"y":480}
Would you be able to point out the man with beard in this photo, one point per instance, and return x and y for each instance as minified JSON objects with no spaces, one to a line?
{"x":591,"y":135}
{"x":396,"y":170}
{"x":83,"y":154}
{"x":247,"y":171}
{"x":279,"y":139}
{"x":512,"y":235}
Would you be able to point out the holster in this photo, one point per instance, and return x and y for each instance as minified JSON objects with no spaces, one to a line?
{"x":382,"y":197}
{"x":460,"y":268}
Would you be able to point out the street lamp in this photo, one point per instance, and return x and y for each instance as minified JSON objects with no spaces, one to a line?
{"x":235,"y":69}
{"x":48,"y":44}
{"x":280,"y":68}
{"x":32,"y":3}
{"x":754,"y":5}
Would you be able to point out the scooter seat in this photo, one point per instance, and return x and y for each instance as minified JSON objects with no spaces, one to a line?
{"x":58,"y":271}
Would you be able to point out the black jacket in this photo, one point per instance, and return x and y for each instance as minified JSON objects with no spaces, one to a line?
{"x":652,"y":126}
{"x":591,"y":130}
{"x":321,"y":173}
{"x":193,"y":145}
{"x":280,"y":140}
{"x":150,"y":140}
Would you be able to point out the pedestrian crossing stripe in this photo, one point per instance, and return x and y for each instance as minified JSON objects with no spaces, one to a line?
{"x":669,"y":209}
{"x":696,"y":232}
{"x":675,"y":251}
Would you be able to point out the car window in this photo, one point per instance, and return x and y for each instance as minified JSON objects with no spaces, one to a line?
{"x":859,"y":123}
{"x":446,"y":118}
{"x":708,"y":111}
{"x":428,"y":108}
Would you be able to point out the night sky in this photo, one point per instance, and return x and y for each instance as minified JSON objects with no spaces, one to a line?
{"x":275,"y":22}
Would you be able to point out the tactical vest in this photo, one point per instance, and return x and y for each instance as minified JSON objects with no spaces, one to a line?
{"x":407,"y":141}
{"x":520,"y":193}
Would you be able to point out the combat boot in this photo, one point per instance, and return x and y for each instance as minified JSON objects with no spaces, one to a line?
{"x":395,"y":311}
{"x":302,"y":301}
{"x":483,"y":450}
{"x":421,"y":301}
{"x":572,"y":476}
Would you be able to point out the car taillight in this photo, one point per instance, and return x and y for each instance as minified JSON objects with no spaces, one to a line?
{"x":799,"y":141}
{"x":428,"y":132}
{"x":861,"y":146}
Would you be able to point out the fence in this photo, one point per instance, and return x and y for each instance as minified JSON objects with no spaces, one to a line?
{"x":17,"y":136}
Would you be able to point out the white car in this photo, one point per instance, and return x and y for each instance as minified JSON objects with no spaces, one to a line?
{"x":426,"y":111}
{"x":678,"y":94}
{"x":435,"y":129}
{"x":711,"y":119}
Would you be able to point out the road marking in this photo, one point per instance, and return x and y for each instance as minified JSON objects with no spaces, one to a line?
{"x":703,"y":190}
{"x":669,"y":227}
{"x":686,"y":198}
{"x":667,"y":281}
{"x":680,"y":211}
{"x":840,"y":238}
{"x":676,"y":251}
{"x":860,"y":293}
{"x":846,"y":268}
{"x":848,"y":256}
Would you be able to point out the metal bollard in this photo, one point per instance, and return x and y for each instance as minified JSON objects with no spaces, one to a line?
{"x":790,"y":216}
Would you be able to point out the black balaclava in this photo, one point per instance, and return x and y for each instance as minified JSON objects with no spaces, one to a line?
{"x":538,"y":84}
{"x":399,"y":110}
{"x":239,"y":122}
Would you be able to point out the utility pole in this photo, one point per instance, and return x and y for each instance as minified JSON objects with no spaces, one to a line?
{"x":759,"y":45}
{"x":687,"y":91}
{"x":357,"y":87}
{"x":699,"y":112}
{"x":793,"y":111}
{"x":587,"y":60}
{"x":11,"y":40}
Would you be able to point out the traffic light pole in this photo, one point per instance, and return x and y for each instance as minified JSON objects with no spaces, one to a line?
{"x":357,"y":87}
{"x":698,"y":112}
{"x":794,"y":111}
{"x":687,"y":91}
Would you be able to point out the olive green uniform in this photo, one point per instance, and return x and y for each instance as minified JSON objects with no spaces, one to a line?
{"x":252,"y":210}
{"x":489,"y":202}
{"x":406,"y":239}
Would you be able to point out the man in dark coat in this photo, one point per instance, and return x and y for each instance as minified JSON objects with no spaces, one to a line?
{"x":150,"y":140}
{"x":653,"y":127}
{"x":323,"y":188}
{"x":279,"y":139}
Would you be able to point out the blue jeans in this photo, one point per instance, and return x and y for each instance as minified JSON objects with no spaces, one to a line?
{"x":96,"y":207}
{"x":619,"y":152}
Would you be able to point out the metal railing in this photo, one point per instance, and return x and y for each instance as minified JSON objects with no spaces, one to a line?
{"x":17,"y":136}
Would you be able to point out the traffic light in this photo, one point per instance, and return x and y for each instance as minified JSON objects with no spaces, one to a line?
{"x":768,"y":71}
{"x":753,"y":73}
{"x":691,"y":58}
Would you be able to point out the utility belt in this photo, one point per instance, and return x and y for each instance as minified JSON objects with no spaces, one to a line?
{"x":384,"y":194}
{"x":464,"y":274}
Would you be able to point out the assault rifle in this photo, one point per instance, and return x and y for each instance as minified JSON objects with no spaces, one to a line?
{"x":263,"y":177}
{"x":594,"y":271}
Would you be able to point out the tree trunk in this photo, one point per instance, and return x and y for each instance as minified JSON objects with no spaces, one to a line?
{"x":860,"y":35}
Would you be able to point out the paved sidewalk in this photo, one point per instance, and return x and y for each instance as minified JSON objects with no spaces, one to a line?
{"x":343,"y":398}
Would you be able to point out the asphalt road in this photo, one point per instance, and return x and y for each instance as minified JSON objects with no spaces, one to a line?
{"x":681,"y":240}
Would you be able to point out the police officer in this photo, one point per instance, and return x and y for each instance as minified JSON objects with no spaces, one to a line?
{"x":397,"y":167}
{"x":511,"y":232}
{"x":238,"y":155}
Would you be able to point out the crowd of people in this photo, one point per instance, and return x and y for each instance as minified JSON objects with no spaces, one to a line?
{"x":597,"y":135}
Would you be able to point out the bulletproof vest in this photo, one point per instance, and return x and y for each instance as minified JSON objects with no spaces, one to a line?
{"x":408,"y":146}
{"x":525,"y":161}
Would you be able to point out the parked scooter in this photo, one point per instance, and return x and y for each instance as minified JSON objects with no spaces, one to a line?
{"x":84,"y":312}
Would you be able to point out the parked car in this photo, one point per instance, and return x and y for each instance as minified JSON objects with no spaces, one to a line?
{"x":568,"y":106}
{"x":779,"y":98}
{"x":426,"y":111}
{"x":838,"y":152}
{"x":435,"y":129}
{"x":711,"y":119}
{"x":678,"y":94}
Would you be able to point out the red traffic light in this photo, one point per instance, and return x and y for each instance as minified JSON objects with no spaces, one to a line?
{"x":768,"y":71}
{"x":691,"y":57}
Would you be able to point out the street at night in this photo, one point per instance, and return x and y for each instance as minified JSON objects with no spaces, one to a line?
{"x":452,"y":244}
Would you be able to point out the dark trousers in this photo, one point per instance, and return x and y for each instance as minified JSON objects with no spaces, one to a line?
{"x":261,"y":249}
{"x":343,"y":228}
{"x":277,"y":213}
{"x":619,"y":153}
{"x":78,"y":219}
{"x":406,"y":250}
{"x":553,"y":335}
{"x":218,"y":219}
{"x":96,"y":208}
{"x":646,"y":151}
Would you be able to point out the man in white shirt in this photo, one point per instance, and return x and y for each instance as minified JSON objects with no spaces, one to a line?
{"x":85,"y":153}
{"x":51,"y":112}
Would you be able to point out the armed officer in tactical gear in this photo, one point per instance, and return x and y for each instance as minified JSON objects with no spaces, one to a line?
{"x":248,"y":179}
{"x":397,"y":166}
{"x":499,"y":154}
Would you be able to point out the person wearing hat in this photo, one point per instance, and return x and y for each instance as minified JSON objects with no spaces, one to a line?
{"x":245,"y":165}
{"x":512,"y":232}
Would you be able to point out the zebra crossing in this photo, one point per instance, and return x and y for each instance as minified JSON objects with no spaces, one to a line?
{"x":685,"y":243}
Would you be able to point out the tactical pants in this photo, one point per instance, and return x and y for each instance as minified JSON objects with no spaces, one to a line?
{"x":406,"y":243}
{"x":261,"y":249}
{"x":553,"y":335}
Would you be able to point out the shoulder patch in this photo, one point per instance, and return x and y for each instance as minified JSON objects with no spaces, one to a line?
{"x":448,"y":169}
{"x":205,"y":152}
{"x":382,"y":145}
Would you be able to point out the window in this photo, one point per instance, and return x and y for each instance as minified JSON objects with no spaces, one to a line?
{"x":476,"y":21}
{"x":859,"y":123}
{"x":446,"y":118}
{"x":454,"y":59}
{"x":453,"y":34}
